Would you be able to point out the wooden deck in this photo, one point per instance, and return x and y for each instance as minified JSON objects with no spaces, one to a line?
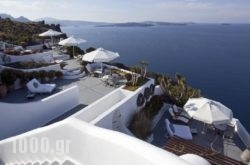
{"x":180,"y":146}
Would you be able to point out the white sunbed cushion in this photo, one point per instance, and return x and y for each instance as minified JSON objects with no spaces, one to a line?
{"x":172,"y":127}
{"x":183,"y":131}
{"x":169,"y":130}
{"x":35,"y":86}
{"x":176,"y":110}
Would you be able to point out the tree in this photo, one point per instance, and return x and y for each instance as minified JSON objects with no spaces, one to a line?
{"x":90,"y":49}
{"x":144,"y":67}
{"x":179,"y":92}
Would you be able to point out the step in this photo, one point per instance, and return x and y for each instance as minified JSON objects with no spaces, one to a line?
{"x":68,"y":162}
{"x":29,"y":163}
{"x":36,"y":163}
{"x":45,"y":163}
{"x":55,"y":163}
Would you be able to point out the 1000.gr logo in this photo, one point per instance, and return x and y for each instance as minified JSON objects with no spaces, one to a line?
{"x":34,"y":145}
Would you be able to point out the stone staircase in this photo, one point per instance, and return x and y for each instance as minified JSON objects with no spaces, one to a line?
{"x":46,"y":162}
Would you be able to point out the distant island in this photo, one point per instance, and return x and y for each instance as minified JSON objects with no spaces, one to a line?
{"x":143,"y":24}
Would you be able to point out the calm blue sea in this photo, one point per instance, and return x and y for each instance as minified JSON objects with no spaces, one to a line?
{"x":213,"y":57}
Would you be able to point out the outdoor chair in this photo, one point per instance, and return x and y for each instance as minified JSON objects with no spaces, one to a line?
{"x":34,"y":86}
{"x":181,"y":131}
{"x":177,"y":117}
{"x":89,"y":69}
{"x":180,"y":112}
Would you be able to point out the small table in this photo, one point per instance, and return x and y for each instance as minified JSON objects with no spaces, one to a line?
{"x":30,"y":95}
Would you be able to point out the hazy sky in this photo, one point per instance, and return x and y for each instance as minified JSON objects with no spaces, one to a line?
{"x":132,"y":10}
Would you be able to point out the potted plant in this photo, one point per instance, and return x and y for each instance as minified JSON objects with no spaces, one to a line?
{"x":58,"y":74}
{"x":8,"y":77}
{"x":141,"y":125}
{"x":34,"y":74}
{"x":51,"y":75}
{"x":24,"y":79}
{"x":43,"y":74}
{"x":3,"y":90}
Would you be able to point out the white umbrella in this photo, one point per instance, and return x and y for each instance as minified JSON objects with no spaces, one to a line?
{"x":71,"y":41}
{"x":208,"y":111}
{"x":100,"y":55}
{"x":50,"y":33}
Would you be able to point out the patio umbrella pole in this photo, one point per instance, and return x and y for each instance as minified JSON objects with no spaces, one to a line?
{"x":203,"y":129}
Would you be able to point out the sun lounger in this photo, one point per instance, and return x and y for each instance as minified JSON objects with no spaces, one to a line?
{"x":34,"y":86}
{"x":181,"y":131}
{"x":181,"y":112}
{"x":177,"y":117}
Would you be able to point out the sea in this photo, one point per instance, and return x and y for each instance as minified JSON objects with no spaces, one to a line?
{"x":213,"y":57}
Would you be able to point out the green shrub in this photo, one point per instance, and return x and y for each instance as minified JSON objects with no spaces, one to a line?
{"x":128,"y":76}
{"x":141,"y":125}
{"x":43,"y":74}
{"x":58,"y":74}
{"x":8,"y":76}
{"x":34,"y":74}
{"x":51,"y":74}
{"x":153,"y":106}
{"x":90,"y":49}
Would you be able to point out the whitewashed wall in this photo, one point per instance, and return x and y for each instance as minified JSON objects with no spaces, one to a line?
{"x":89,"y":145}
{"x":101,"y":113}
{"x":19,"y":118}
{"x":35,"y":47}
{"x":101,"y":106}
{"x":32,"y":57}
{"x":55,"y":67}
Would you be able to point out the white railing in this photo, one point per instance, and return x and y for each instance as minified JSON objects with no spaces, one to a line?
{"x":242,"y":132}
{"x":18,"y":118}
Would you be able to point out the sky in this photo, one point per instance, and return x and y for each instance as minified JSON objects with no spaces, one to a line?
{"x":203,"y":11}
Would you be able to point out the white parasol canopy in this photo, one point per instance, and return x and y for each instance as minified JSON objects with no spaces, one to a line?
{"x":100,"y":55}
{"x":208,"y":111}
{"x":71,"y":41}
{"x":50,"y":33}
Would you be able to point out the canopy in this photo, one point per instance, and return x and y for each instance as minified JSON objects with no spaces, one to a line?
{"x":208,"y":111}
{"x":100,"y":55}
{"x":71,"y":41}
{"x":50,"y":33}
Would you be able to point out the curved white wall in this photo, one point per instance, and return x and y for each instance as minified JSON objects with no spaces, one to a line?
{"x":31,"y":57}
{"x":19,"y":118}
{"x":91,"y":145}
{"x":55,"y":67}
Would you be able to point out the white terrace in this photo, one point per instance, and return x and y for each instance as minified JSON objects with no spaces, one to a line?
{"x":93,"y":130}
